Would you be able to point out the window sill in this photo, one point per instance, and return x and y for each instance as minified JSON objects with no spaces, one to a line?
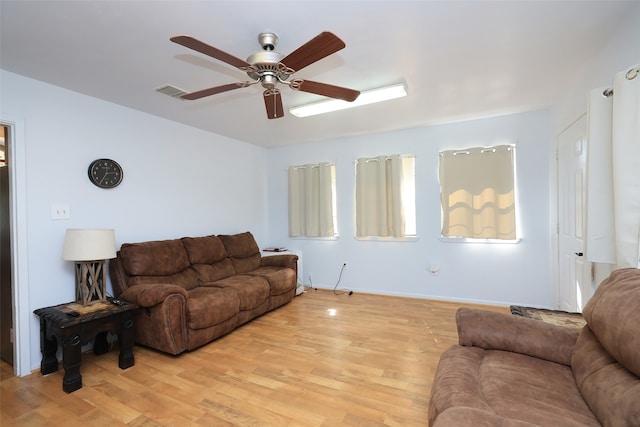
{"x":482,"y":241}
{"x":314,"y":238}
{"x":388,"y":239}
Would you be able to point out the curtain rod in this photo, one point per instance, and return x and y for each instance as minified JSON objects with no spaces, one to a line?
{"x":631,"y":74}
{"x":315,"y":165}
{"x":482,"y":150}
{"x":375,"y":159}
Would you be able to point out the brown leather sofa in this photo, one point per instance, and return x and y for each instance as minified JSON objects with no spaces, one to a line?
{"x":195,"y":289}
{"x":512,"y":371}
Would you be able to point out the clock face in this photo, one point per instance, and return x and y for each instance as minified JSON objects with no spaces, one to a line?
{"x":105,"y":173}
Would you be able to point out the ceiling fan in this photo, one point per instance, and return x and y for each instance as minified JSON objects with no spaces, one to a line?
{"x":269,"y":68}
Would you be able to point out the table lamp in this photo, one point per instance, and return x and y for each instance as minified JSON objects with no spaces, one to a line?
{"x":89,"y":248}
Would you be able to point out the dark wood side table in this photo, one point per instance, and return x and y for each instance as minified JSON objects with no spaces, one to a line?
{"x":73,"y":325}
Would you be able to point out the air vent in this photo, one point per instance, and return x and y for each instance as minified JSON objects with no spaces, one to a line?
{"x":172,"y":91}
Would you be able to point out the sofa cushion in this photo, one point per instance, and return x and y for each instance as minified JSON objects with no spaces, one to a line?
{"x":462,"y":416}
{"x":515,"y":388}
{"x":243,"y":251}
{"x":211,"y":272}
{"x":246,"y":265}
{"x":204,"y":250}
{"x":610,"y":390}
{"x":613,"y":315}
{"x":252,"y":291}
{"x":186,"y":279}
{"x":241,"y":245}
{"x":281,"y":280}
{"x":209,"y":258}
{"x":209,"y":306}
{"x":156,"y":258}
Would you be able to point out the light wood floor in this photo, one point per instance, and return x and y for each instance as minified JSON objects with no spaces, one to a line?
{"x":371,"y":363}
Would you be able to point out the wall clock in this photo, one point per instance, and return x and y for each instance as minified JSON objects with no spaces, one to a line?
{"x":105,"y":173}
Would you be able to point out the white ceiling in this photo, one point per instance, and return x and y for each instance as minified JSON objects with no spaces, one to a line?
{"x":460,"y":59}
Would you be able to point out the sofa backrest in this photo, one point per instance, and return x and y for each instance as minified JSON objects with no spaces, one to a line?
{"x":606,"y":358}
{"x":613,"y":315}
{"x":161,"y":261}
{"x":243,"y":251}
{"x":186,"y":262}
{"x":208,"y":258}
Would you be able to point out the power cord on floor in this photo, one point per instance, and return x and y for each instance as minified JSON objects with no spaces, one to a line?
{"x":311,"y":284}
{"x":346,"y":291}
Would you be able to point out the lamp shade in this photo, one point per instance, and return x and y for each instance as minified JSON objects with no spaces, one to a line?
{"x":89,"y":244}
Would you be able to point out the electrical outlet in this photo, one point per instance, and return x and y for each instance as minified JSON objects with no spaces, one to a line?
{"x":60,"y":211}
{"x":433,"y":268}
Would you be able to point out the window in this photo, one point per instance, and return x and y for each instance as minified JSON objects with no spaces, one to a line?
{"x":477,"y":188}
{"x":385,"y":197}
{"x":312,"y":200}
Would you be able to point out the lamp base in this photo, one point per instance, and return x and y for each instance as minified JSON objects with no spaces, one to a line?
{"x":90,"y":282}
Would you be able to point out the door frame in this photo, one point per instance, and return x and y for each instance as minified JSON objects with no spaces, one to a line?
{"x":19,"y":256}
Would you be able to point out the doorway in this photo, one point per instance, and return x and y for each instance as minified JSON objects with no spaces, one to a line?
{"x":6,"y":294}
{"x":574,"y":281}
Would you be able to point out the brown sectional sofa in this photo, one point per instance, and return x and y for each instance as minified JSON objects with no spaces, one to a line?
{"x":512,"y":371}
{"x":195,"y":289}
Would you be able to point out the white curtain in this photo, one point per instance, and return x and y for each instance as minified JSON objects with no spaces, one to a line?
{"x":613,"y":172}
{"x":380,"y":205}
{"x":477,"y":188}
{"x":311,"y":200}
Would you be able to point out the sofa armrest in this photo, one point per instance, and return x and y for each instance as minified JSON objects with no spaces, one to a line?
{"x":499,"y":331}
{"x":284,"y":260}
{"x":149,"y":295}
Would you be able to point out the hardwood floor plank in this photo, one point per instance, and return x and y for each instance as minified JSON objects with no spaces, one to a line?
{"x":321,"y":360}
{"x":118,"y":411}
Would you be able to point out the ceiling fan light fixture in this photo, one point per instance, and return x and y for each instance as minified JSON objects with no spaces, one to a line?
{"x":367,"y":97}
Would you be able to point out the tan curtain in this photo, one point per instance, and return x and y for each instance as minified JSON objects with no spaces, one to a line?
{"x":478,"y":193}
{"x":383,"y":192}
{"x":311,"y":200}
{"x":613,"y":172}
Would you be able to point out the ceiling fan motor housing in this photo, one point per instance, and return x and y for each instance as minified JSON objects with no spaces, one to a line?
{"x":265,"y":66}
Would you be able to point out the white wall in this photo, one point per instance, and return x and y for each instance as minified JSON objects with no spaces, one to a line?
{"x":178,"y":181}
{"x":494,"y":273}
{"x":620,"y":52}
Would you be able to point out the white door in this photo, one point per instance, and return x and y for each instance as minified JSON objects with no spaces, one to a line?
{"x":574,"y":269}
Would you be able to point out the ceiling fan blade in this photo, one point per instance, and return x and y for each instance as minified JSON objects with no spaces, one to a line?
{"x":212,"y":91}
{"x":314,"y":50}
{"x":197,"y":45}
{"x":273,"y":103}
{"x":324,"y":89}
